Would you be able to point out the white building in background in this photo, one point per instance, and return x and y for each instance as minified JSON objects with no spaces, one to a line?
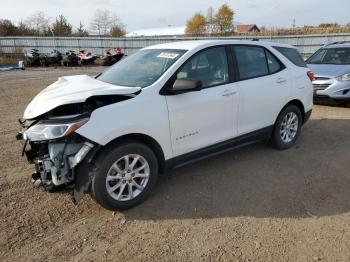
{"x":164,"y":31}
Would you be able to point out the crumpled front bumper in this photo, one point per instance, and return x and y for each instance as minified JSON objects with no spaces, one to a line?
{"x":57,"y":162}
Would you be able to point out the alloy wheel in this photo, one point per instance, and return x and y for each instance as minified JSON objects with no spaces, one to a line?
{"x":289,"y":127}
{"x":127,"y":177}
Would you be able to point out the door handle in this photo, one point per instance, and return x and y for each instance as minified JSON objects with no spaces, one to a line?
{"x":229,"y":94}
{"x":281,"y":80}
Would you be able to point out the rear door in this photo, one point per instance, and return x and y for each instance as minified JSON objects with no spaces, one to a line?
{"x":206,"y":117}
{"x":264,"y":87}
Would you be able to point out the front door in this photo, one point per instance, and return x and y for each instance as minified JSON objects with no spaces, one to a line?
{"x":203,"y":118}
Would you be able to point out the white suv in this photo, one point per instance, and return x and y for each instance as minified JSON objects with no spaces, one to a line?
{"x":161,"y":108}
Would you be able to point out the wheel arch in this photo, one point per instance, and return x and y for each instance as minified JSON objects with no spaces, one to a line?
{"x":298,"y":104}
{"x":141,"y":138}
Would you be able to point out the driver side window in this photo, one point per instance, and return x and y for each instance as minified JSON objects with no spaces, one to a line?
{"x":209,"y":66}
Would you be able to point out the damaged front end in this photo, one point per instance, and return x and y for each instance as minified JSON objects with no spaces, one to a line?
{"x":60,"y":155}
{"x":56,"y":151}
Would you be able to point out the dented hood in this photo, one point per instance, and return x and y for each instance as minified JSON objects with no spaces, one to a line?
{"x":72,"y":89}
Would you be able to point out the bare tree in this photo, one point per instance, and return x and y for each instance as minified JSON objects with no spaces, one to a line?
{"x":80,"y":31}
{"x":39,"y":22}
{"x":103,"y":21}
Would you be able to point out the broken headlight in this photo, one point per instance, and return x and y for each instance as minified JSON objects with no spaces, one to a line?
{"x":53,"y":129}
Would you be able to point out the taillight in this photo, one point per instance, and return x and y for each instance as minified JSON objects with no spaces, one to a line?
{"x":311,"y":76}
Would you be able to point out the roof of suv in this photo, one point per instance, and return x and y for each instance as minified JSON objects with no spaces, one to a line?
{"x":338,"y":45}
{"x":194,"y":44}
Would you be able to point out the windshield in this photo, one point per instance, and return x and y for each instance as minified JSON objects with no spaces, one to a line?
{"x":142,"y":68}
{"x":336,"y":56}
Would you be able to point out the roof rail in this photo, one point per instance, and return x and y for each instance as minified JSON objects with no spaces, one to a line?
{"x":338,"y":43}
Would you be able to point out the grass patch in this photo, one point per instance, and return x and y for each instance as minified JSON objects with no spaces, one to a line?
{"x":10,"y":59}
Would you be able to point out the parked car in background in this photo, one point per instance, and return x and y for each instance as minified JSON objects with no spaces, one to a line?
{"x":331,"y":65}
{"x":163,"y":107}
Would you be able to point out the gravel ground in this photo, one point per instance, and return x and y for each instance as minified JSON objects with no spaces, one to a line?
{"x":251,"y":204}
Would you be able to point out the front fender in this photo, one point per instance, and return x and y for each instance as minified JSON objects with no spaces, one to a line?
{"x":145,"y":114}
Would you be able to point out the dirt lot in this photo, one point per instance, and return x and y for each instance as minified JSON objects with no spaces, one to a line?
{"x":252,"y":204}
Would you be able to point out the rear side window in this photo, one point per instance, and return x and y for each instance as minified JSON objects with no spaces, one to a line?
{"x":273,"y":63}
{"x":292,"y":54}
{"x":251,"y":61}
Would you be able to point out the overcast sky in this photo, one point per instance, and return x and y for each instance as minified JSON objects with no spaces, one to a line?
{"x":140,"y":14}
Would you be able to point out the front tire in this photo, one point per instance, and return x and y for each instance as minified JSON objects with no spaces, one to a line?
{"x":124,"y":175}
{"x":287,"y":128}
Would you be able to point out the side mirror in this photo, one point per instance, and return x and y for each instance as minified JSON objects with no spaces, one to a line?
{"x":185,"y":85}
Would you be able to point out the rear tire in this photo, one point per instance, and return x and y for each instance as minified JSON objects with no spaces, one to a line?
{"x":287,"y":128}
{"x":124,"y":175}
